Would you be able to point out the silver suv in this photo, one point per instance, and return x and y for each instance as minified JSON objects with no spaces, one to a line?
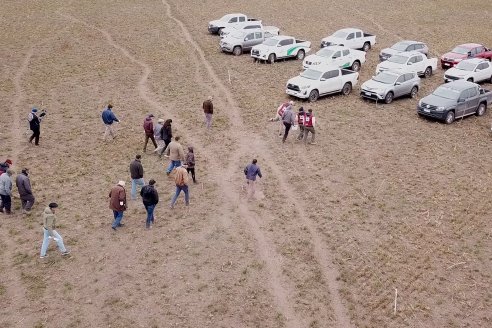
{"x":388,"y":85}
{"x":405,"y":45}
{"x":243,"y":40}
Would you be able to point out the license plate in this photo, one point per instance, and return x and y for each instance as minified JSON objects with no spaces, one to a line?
{"x":427,"y":110}
{"x":447,"y":64}
{"x":367,"y":93}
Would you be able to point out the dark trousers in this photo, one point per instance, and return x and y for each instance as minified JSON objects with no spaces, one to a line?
{"x":151,"y":137}
{"x":287,"y":129}
{"x":6,"y":203}
{"x":192,"y":170}
{"x":35,"y":135}
{"x":166,"y":143}
{"x":27,"y":201}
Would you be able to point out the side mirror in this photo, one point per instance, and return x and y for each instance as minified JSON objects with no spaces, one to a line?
{"x":279,"y":45}
{"x":322,"y":79}
{"x":461,"y":100}
{"x":409,"y":63}
{"x":469,"y":54}
{"x":397,"y":83}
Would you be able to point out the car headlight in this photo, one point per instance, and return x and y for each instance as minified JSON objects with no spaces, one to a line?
{"x":305,"y":86}
{"x":440,"y":109}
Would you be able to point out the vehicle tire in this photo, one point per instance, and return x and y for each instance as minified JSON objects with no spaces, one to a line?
{"x":219,"y":30}
{"x":444,"y":67}
{"x":490,"y":80}
{"x":449,"y":117}
{"x":313,"y":95}
{"x":347,"y":89}
{"x":481,"y":109}
{"x":271,"y":58}
{"x":237,"y":51}
{"x":301,"y":54}
{"x":255,"y":60}
{"x":388,"y":99}
{"x":428,"y":72}
{"x":413,"y":92}
{"x":366,"y":47}
{"x":470,"y":79}
{"x":356,"y":66}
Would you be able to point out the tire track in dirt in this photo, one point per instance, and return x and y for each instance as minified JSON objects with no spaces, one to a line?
{"x":271,"y":259}
{"x":321,"y":253}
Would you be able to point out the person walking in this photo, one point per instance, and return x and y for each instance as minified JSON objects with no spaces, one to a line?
{"x":49,"y":226}
{"x":35,"y":126}
{"x":117,"y":203}
{"x":136,"y":173}
{"x":309,"y":123}
{"x":251,"y":171}
{"x":181,"y":180}
{"x":3,"y":168}
{"x":208,"y":110}
{"x":279,"y":113}
{"x":148,"y":126}
{"x":157,"y":135}
{"x":190,"y":163}
{"x":6,"y":191}
{"x":23,"y":184}
{"x":288,"y":121}
{"x":108,"y":119}
{"x":150,"y":198}
{"x":166,"y":135}
{"x":175,"y":153}
{"x":300,"y":123}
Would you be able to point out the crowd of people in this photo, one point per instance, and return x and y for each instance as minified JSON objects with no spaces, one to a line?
{"x":161,"y":136}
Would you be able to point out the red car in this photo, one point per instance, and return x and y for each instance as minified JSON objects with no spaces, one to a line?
{"x":464,"y":51}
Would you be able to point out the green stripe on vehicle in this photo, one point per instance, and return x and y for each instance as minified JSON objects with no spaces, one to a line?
{"x":291,"y":50}
{"x":346,"y":65}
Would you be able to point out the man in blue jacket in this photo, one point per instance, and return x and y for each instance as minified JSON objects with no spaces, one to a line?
{"x":251,"y":171}
{"x":109,"y":118}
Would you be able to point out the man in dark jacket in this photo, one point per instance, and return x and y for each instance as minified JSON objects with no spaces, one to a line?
{"x":35,"y":126}
{"x":150,"y":198}
{"x":136,"y":173}
{"x":251,"y":171}
{"x":166,"y":135}
{"x":108,"y":119}
{"x":23,"y":184}
{"x":117,"y":202}
{"x":208,"y":110}
{"x":148,"y":126}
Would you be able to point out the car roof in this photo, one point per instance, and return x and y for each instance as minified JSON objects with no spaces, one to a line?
{"x":349,"y":30}
{"x":409,"y":53}
{"x":470,"y":45}
{"x":409,"y":42}
{"x":335,"y":48}
{"x":459,"y":85}
{"x":475,"y":61}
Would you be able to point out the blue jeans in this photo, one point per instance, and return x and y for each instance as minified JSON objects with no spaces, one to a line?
{"x":118,"y":216}
{"x":46,"y":242}
{"x":178,"y":191}
{"x":136,"y":182}
{"x":172,"y":165}
{"x":150,"y":214}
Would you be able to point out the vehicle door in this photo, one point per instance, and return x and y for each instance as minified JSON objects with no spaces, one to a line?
{"x":420,"y":64}
{"x":249,"y":41}
{"x":283,"y":47}
{"x":479,"y":52}
{"x":461,"y":105}
{"x":346,"y":59}
{"x":350,"y":41}
{"x":330,"y":82}
{"x":359,"y":42}
{"x":472,"y":101}
{"x":399,"y":88}
{"x":482,"y":72}
{"x":411,"y":67}
{"x":258,"y":39}
{"x":336,"y":58}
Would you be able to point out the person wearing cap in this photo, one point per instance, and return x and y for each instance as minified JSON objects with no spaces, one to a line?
{"x":117,"y":203}
{"x":136,"y":173}
{"x":150,"y":198}
{"x":309,"y":123}
{"x":157,"y":135}
{"x":6,"y":191}
{"x":35,"y":126}
{"x":288,"y":119}
{"x":300,"y":123}
{"x":108,"y":119}
{"x":208,"y":110}
{"x":175,"y":153}
{"x":49,"y":226}
{"x":23,"y":184}
{"x":148,"y":126}
{"x":181,"y":181}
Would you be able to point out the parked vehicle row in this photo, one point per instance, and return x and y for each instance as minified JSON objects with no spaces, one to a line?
{"x":242,"y":41}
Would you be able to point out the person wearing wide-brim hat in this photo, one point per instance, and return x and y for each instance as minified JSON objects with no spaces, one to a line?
{"x":49,"y":225}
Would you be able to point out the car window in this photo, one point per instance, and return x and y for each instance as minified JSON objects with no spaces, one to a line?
{"x":267,"y":34}
{"x":286,"y":42}
{"x":334,"y":73}
{"x":479,"y":50}
{"x":249,"y":27}
{"x":346,"y":52}
{"x":419,"y":46}
{"x":472,"y":92}
{"x":401,"y":79}
{"x":473,"y":51}
{"x":409,"y":76}
{"x":249,"y":36}
{"x":336,"y":55}
{"x":418,"y":59}
{"x":350,"y":36}
{"x":412,"y":60}
{"x":411,"y":47}
{"x":465,"y":94}
{"x":242,"y":19}
{"x":358,"y":34}
{"x":233,"y":20}
{"x":258,"y":35}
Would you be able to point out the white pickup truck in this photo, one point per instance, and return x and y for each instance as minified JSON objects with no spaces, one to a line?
{"x":409,"y":61}
{"x":229,"y":20}
{"x":280,"y":47}
{"x":247,"y":27}
{"x":352,"y":38}
{"x":340,"y":56}
{"x":473,"y":70}
{"x":320,"y":81}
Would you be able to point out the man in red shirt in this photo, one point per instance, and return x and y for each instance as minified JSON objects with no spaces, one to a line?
{"x":309,"y":123}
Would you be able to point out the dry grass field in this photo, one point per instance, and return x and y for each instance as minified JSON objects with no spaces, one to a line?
{"x":385,"y":201}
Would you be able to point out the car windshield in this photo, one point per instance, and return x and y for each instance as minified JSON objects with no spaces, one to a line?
{"x":460,"y":50}
{"x":385,"y":78}
{"x":465,"y":66}
{"x":400,"y":46}
{"x":270,"y":42}
{"x":325,"y":52}
{"x":225,"y":18}
{"x":340,"y":34}
{"x":311,"y":74}
{"x":445,"y":92}
{"x":237,"y":35}
{"x":398,"y":59}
